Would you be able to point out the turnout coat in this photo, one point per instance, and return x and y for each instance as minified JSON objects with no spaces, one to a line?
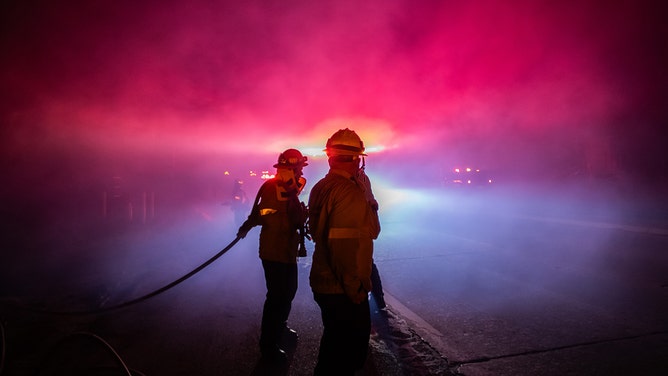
{"x":343,"y":226}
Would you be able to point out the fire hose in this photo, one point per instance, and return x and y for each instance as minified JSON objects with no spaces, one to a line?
{"x":302,"y":253}
{"x":144,"y":297}
{"x":95,"y":340}
{"x":98,"y":339}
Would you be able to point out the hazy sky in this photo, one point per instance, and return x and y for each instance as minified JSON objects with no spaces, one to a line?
{"x":492,"y":81}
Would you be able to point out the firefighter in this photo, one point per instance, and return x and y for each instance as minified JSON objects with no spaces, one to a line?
{"x":343,"y":226}
{"x":282,"y":216}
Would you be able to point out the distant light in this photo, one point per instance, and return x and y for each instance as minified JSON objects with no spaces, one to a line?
{"x":227,"y":173}
{"x":468,"y":181}
{"x":313,"y":152}
{"x":468,"y":169}
{"x":374,"y":149}
{"x":252,"y":173}
{"x":266,"y":175}
{"x":457,"y":170}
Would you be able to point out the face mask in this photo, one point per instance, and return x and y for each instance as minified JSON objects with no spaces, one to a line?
{"x":288,"y":183}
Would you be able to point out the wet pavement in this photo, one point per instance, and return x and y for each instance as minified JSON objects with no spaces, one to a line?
{"x":207,"y":325}
{"x":153,"y":339}
{"x":210,"y":323}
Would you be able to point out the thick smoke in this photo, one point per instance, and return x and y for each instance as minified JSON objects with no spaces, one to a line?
{"x":215,"y":74}
{"x":168,"y":95}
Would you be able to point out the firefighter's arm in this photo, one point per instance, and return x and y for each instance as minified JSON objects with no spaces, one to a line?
{"x":374,"y":223}
{"x":248,"y":224}
{"x":256,"y":212}
{"x":365,"y":183}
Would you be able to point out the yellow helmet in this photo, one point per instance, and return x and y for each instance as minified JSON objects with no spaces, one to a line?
{"x":344,"y":142}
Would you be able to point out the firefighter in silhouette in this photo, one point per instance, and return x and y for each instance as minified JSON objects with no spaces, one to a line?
{"x":343,"y":226}
{"x":282,"y":215}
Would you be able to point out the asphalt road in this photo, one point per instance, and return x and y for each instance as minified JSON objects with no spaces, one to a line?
{"x":207,"y":325}
{"x":508,"y":285}
{"x":477,"y":285}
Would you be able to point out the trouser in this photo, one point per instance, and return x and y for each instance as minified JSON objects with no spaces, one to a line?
{"x":376,"y":284}
{"x":281,"y":281}
{"x":345,"y":339}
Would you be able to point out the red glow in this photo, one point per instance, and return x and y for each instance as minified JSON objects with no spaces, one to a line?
{"x":484,"y":79}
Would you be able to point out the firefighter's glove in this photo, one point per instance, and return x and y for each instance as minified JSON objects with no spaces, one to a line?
{"x":243,"y":230}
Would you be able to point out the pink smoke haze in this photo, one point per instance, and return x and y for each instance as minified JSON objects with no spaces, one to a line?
{"x":125,"y":124}
{"x":574,"y":85}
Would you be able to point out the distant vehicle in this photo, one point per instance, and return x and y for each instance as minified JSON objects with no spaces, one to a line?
{"x":466,"y":177}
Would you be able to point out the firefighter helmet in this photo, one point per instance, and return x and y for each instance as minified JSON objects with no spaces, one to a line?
{"x":344,"y":142}
{"x":291,"y":158}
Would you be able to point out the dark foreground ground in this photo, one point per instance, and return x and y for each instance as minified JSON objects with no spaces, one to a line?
{"x":209,"y":324}
{"x":55,"y":320}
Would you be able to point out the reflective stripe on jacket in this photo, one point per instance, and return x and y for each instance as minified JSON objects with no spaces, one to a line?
{"x":343,"y":226}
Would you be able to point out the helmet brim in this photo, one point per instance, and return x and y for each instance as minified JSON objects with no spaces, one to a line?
{"x":278,"y":165}
{"x":331,"y":152}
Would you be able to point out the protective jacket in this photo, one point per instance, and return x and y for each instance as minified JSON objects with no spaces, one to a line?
{"x":281,"y":214}
{"x":343,"y":226}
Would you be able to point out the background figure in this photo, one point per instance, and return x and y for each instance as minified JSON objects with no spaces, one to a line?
{"x":343,"y":226}
{"x":280,"y":213}
{"x":239,"y":202}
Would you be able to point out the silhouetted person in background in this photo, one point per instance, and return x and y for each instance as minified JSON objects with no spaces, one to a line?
{"x":239,"y":202}
{"x":343,"y":226}
{"x":282,"y":216}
